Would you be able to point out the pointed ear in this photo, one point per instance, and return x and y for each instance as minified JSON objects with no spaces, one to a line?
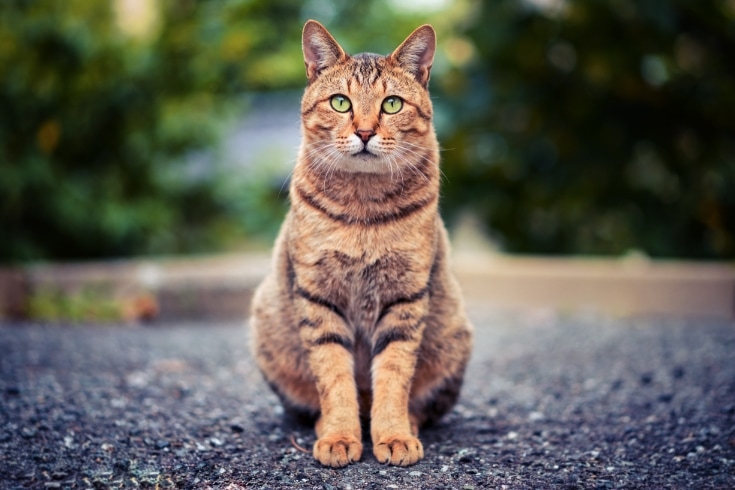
{"x":320,"y":49}
{"x":416,"y":54}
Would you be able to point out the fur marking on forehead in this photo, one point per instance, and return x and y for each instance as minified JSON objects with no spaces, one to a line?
{"x":368,"y":69}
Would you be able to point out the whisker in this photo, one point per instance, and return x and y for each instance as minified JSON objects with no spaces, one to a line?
{"x":403,"y":145}
{"x":392,"y":159}
{"x":327,"y":163}
{"x":293,"y":162}
{"x":423,"y":147}
{"x":409,"y":162}
{"x":285,"y":181}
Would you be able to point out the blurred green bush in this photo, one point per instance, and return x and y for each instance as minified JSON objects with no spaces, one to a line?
{"x":597,"y":127}
{"x":102,"y":103}
{"x":56,"y":306}
{"x":569,"y":126}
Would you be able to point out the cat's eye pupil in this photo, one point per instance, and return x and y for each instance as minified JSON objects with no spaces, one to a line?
{"x":391,"y":105}
{"x":340,"y":103}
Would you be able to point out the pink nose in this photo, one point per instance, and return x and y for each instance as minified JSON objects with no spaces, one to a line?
{"x":365,"y":134}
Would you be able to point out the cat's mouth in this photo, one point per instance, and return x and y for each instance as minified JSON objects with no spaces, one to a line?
{"x":364,"y":153}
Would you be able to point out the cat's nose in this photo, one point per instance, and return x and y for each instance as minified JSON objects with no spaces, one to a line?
{"x":365,"y":134}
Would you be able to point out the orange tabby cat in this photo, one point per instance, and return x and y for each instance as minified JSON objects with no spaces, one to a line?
{"x":360,"y":317}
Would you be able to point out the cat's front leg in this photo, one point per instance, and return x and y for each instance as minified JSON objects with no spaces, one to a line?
{"x":395,"y":346}
{"x":329,"y":344}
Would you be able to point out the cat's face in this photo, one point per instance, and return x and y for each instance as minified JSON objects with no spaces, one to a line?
{"x":367,"y":113}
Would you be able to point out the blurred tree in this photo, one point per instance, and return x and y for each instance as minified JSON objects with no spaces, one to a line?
{"x":597,"y":127}
{"x":102,"y":105}
{"x":572,"y":126}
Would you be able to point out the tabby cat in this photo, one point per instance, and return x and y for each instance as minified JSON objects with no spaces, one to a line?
{"x":360,"y":318}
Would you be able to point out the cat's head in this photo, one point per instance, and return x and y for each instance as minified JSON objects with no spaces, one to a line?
{"x":367,"y":113}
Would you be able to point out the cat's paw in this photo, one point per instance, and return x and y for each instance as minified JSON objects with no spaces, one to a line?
{"x":337,"y":450}
{"x":400,"y":450}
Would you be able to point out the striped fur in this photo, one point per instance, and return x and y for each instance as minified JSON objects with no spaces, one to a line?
{"x":360,"y":317}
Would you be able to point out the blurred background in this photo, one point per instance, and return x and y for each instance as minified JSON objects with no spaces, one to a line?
{"x":159,"y":127}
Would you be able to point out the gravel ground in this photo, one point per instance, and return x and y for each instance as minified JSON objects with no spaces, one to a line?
{"x":550,"y":401}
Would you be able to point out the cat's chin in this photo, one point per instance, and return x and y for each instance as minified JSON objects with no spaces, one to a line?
{"x":364,"y":163}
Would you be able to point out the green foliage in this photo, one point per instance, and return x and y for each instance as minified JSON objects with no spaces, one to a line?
{"x":597,"y":127}
{"x":50,"y":305}
{"x":584,"y":127}
{"x":97,"y":119}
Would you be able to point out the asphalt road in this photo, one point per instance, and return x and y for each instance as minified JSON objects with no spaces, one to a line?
{"x":550,"y":401}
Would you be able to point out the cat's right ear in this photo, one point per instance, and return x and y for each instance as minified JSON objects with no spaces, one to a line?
{"x":416,"y":54}
{"x":320,"y":49}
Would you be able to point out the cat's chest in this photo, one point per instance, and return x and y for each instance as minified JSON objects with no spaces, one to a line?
{"x":361,"y":286}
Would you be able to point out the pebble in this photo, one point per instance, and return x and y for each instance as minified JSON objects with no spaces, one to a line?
{"x":28,"y":432}
{"x":535,"y":416}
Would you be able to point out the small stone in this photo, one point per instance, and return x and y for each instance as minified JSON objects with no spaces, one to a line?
{"x":215,"y":442}
{"x":237,"y":428}
{"x":28,"y":432}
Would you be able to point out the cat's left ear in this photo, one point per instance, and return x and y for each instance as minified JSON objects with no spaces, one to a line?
{"x":416,"y":53}
{"x":321,"y":50}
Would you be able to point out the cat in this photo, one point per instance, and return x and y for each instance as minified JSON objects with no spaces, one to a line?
{"x":360,"y":318}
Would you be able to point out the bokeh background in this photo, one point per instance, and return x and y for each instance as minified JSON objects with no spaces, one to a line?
{"x":147,"y":127}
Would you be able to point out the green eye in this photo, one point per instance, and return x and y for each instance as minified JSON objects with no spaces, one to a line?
{"x":392,"y":104}
{"x":340,"y":103}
